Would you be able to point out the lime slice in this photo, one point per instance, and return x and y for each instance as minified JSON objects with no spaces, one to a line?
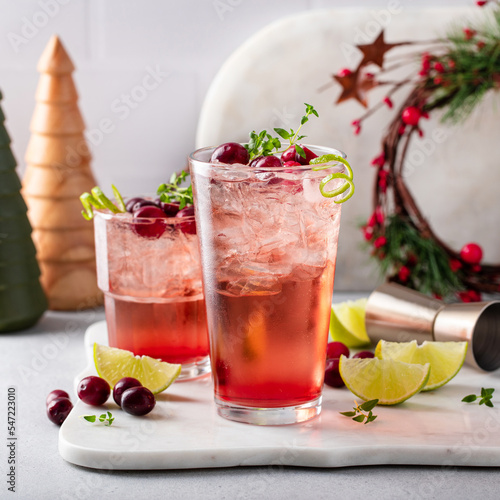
{"x":445,"y":358}
{"x":112,"y":364}
{"x":389,"y":381}
{"x":347,"y":323}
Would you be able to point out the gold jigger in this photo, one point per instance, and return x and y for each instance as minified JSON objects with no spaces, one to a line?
{"x":399,"y":314}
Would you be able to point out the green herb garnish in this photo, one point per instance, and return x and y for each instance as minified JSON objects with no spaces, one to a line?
{"x":362,"y":413}
{"x":484,"y":398}
{"x":106,"y":418}
{"x":173,"y":192}
{"x":97,"y":199}
{"x":264,"y":144}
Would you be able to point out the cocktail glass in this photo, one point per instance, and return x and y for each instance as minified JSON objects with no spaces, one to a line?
{"x":268,"y":240}
{"x":150,"y":273}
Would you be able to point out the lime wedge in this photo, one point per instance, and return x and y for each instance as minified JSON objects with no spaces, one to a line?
{"x":445,"y":358}
{"x":347,"y":323}
{"x":389,"y":381}
{"x":112,"y":364}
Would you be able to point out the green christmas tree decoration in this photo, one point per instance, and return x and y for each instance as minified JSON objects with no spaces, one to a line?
{"x":22,"y":300}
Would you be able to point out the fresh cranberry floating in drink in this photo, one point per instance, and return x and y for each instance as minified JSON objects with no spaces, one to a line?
{"x":58,"y":393}
{"x":121,"y":386}
{"x":93,"y":390}
{"x":332,"y":373}
{"x":58,"y":409}
{"x":187,"y":227}
{"x":142,"y":203}
{"x":291,"y":154}
{"x":151,"y":228}
{"x":230,"y":152}
{"x":170,"y":209}
{"x":138,"y":401}
{"x":129,"y":206}
{"x":266,"y":162}
{"x":364,"y":355}
{"x":335,"y":349}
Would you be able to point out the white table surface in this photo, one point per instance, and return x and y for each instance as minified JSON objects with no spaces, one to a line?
{"x":49,"y":355}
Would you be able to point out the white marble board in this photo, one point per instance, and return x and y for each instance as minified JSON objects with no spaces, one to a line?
{"x":184,"y":431}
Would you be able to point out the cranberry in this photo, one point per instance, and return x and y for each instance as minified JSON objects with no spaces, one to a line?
{"x":291,"y":154}
{"x":58,"y":393}
{"x":170,"y":209}
{"x":266,"y":162}
{"x":142,"y":203}
{"x":332,"y":373}
{"x":121,"y":386}
{"x":471,"y":253}
{"x":411,"y":115}
{"x":335,"y":349}
{"x":130,"y":203}
{"x":230,"y":152}
{"x":364,"y":354}
{"x":138,"y":401}
{"x":187,"y":227}
{"x":58,"y":409}
{"x":93,"y":390}
{"x":150,"y":229}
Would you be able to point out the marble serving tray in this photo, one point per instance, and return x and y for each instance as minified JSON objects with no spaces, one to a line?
{"x":184,"y":431}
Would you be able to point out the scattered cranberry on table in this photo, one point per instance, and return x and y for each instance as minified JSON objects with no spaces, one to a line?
{"x":121,"y":386}
{"x":58,"y":409}
{"x":57,"y":393}
{"x":332,"y":373}
{"x":364,"y":355}
{"x":138,"y":401}
{"x":335,"y":349}
{"x":93,"y":390}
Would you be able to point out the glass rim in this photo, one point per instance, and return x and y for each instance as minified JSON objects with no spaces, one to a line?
{"x":122,"y":216}
{"x":238,"y":167}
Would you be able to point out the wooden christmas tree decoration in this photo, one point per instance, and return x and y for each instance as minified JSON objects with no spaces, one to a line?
{"x":22,"y":300}
{"x":57,"y":172}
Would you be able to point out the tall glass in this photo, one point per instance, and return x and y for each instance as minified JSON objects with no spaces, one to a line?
{"x":150,"y":273}
{"x":268,"y":245}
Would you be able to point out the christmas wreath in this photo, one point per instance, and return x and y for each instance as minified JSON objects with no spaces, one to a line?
{"x":453,"y":77}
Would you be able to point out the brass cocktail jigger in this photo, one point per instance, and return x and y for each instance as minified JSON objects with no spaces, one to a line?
{"x":399,"y":314}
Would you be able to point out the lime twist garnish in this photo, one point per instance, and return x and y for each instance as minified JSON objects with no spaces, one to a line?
{"x":348,"y":178}
{"x":97,"y":199}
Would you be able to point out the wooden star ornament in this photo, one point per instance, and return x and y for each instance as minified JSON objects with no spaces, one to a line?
{"x":374,"y":52}
{"x":354,"y":86}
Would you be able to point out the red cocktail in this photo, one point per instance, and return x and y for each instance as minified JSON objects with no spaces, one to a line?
{"x":268,"y":243}
{"x":149,"y":270}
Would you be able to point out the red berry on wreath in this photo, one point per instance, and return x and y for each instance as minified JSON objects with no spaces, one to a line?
{"x":480,"y":44}
{"x":476,"y":268}
{"x":481,"y":3}
{"x":471,"y":253}
{"x":411,"y":115}
{"x":469,"y":33}
{"x":380,"y":242}
{"x":404,"y":274}
{"x":439,"y":67}
{"x":455,"y":265}
{"x":344,"y":72}
{"x":387,"y":100}
{"x":379,"y":160}
{"x":368,"y":233}
{"x":402,"y":129}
